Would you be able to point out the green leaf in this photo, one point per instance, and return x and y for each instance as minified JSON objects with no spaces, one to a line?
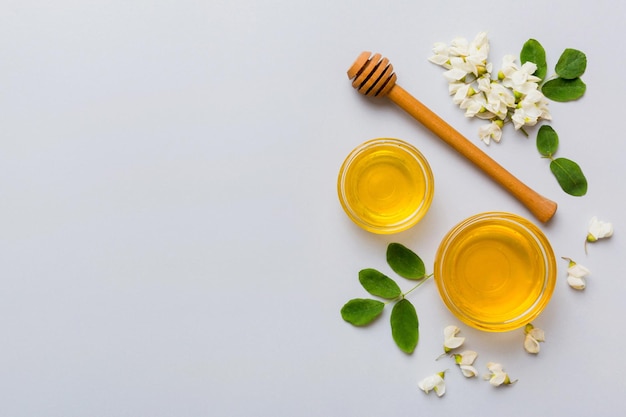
{"x":379,"y":284}
{"x":560,"y":89}
{"x":404,"y":325}
{"x":570,"y":176}
{"x":547,"y":141}
{"x":361,"y":311}
{"x":532,"y":51}
{"x":572,"y":64}
{"x":405,"y":262}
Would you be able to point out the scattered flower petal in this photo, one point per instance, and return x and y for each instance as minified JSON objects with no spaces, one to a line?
{"x":533,"y":335}
{"x":465,"y":360}
{"x":598,"y":229}
{"x":468,"y":371}
{"x":576,"y":274}
{"x":451,"y":341}
{"x":497,"y":376}
{"x":434,"y":383}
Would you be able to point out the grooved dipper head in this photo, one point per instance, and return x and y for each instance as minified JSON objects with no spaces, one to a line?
{"x":372,"y":75}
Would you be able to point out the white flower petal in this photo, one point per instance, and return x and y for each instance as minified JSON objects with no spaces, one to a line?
{"x":450,"y":331}
{"x":497,"y":376}
{"x":454,"y":342}
{"x":494,"y":367}
{"x":438,"y":59}
{"x":468,"y":357}
{"x":498,"y":379}
{"x":531,"y":345}
{"x":454,"y":74}
{"x":453,"y":87}
{"x":460,"y":93}
{"x":577,"y":283}
{"x":599,"y":229}
{"x":474,"y":105}
{"x":538,"y":334}
{"x":459,"y":47}
{"x":440,"y":388}
{"x":433,"y":382}
{"x":450,"y":341}
{"x":428,"y":383}
{"x":468,"y":371}
{"x":577,"y":270}
{"x":490,"y":131}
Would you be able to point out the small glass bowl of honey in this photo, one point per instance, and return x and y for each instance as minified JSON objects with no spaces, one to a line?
{"x":385,"y":185}
{"x":495,"y":271}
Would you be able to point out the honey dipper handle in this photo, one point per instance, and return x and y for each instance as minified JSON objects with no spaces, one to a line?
{"x":541,"y":207}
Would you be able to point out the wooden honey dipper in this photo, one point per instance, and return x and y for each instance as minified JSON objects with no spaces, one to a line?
{"x":373,"y":76}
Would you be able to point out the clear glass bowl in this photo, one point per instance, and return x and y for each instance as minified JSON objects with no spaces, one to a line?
{"x":495,"y":271}
{"x":385,"y":185}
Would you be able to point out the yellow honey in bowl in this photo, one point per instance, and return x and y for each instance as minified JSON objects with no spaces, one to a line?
{"x":495,"y":271}
{"x":385,"y":185}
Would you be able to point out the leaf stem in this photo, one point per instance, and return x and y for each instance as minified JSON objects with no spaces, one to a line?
{"x":546,"y":79}
{"x":417,"y":286}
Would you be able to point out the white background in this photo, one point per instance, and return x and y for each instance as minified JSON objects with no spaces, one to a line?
{"x":171,"y":243}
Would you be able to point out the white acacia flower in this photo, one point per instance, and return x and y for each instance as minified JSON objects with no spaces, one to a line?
{"x":499,"y":100}
{"x":465,"y":360}
{"x":523,"y":81}
{"x":576,"y":274}
{"x":519,"y":79}
{"x":490,"y":131}
{"x":459,"y":68}
{"x":530,"y":109}
{"x":475,"y":105}
{"x":463,"y":57}
{"x":497,"y":376}
{"x":450,"y":340}
{"x":533,"y":335}
{"x":460,"y":91}
{"x":478,"y":51}
{"x":598,"y":230}
{"x":434,"y":383}
{"x":459,"y":47}
{"x":508,"y":67}
{"x":442,"y":55}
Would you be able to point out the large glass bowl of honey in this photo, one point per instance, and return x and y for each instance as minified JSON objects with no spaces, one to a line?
{"x":495,"y":271}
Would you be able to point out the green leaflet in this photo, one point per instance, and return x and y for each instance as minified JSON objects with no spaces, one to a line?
{"x":570,"y":176}
{"x":567,"y":86}
{"x":379,"y":284}
{"x":572,"y":64}
{"x":547,"y":141}
{"x":405,"y":325}
{"x":532,"y":51}
{"x":405,"y":262}
{"x":560,"y":89}
{"x":361,"y":311}
{"x":567,"y":173}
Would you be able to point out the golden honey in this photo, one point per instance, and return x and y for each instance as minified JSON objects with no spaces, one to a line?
{"x":495,"y":271}
{"x":385,"y":185}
